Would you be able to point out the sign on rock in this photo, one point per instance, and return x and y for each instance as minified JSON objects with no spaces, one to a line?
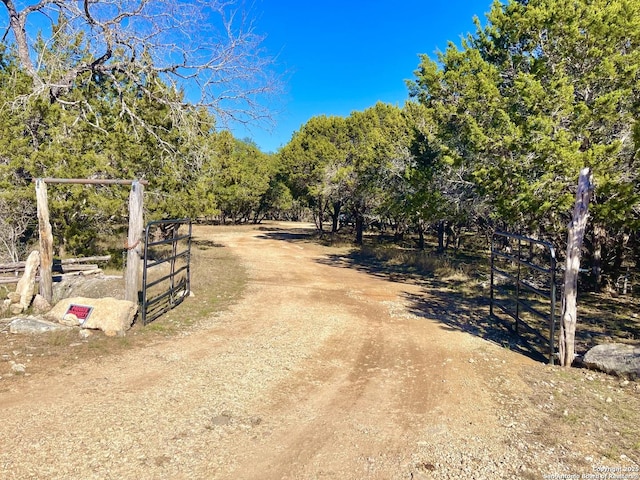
{"x":81,"y":312}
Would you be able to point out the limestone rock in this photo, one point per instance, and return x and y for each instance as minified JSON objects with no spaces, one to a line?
{"x":27,"y":283}
{"x":14,"y":297}
{"x":70,"y":320}
{"x":616,"y":358}
{"x":113,"y":317}
{"x":16,"y":309}
{"x":31,"y":325}
{"x":40,"y":304}
{"x":18,"y":368}
{"x":84,"y":334}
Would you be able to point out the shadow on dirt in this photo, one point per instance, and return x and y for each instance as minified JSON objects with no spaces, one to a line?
{"x":444,"y":302}
{"x":463,"y":304}
{"x":457,"y":304}
{"x":205,"y":244}
{"x":288,"y":236}
{"x":301,"y":235}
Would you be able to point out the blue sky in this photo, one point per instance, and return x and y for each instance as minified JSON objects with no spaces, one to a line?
{"x":339,"y":56}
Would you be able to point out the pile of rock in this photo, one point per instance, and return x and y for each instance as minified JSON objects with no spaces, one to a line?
{"x":23,"y":297}
{"x":112,"y":316}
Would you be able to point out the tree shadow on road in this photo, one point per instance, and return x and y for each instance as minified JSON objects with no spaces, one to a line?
{"x":203,"y":244}
{"x":463,"y":303}
{"x":297,"y":236}
{"x":457,"y":304}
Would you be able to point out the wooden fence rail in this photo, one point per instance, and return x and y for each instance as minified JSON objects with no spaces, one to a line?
{"x":64,"y":268}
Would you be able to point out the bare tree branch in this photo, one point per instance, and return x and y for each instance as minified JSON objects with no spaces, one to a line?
{"x":207,"y":50}
{"x":15,"y":218}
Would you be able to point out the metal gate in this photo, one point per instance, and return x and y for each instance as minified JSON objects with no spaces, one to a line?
{"x":166,"y":270}
{"x":527,"y":291}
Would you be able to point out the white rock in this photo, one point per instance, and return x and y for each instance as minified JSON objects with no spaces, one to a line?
{"x":16,"y":309}
{"x":27,"y":283}
{"x":18,"y":368}
{"x":112,"y":316}
{"x":70,"y":320}
{"x":40,"y":304}
{"x":617,"y":358}
{"x":85,"y":333}
{"x":31,"y":325}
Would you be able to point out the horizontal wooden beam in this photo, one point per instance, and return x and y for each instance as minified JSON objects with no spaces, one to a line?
{"x":90,"y":181}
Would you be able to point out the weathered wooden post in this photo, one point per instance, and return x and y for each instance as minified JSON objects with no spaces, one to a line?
{"x":566,"y":347}
{"x":46,"y":241}
{"x":134,"y":238}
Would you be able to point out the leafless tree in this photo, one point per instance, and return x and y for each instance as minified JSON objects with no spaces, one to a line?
{"x":206,"y":51}
{"x":15,"y":218}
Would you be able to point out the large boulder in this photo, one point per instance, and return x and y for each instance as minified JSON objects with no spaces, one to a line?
{"x":33,"y":325}
{"x":615,"y":358}
{"x":112,"y":316}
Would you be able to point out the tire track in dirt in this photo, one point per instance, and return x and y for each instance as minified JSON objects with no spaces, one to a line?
{"x":318,"y":372}
{"x":359,"y":407}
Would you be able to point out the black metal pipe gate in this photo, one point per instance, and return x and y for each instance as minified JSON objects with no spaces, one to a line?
{"x":523,"y":268}
{"x":170,"y":285}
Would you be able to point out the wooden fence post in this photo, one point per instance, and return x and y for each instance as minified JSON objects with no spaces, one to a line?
{"x":134,"y":238}
{"x":46,"y":241}
{"x":566,"y":347}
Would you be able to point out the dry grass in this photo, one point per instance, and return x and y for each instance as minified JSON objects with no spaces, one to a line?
{"x":462,"y":272}
{"x":594,"y":410}
{"x":217,"y":281}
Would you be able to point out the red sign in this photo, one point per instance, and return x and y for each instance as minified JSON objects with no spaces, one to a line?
{"x":81,"y":312}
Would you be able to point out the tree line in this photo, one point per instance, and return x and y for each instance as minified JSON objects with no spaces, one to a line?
{"x":132,"y":90}
{"x":193,"y":169}
{"x":493,"y":136}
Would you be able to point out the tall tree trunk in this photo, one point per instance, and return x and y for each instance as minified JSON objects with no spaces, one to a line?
{"x":335,"y":216}
{"x":620,"y":248}
{"x":566,"y":348}
{"x":421,"y":229}
{"x":321,"y":207}
{"x":359,"y":228}
{"x":450,"y":235}
{"x":442,"y":225}
{"x":598,"y":238}
{"x":457,"y":237}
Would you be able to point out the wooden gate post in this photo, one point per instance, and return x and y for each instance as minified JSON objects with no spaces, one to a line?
{"x":566,"y":347}
{"x":46,"y":241}
{"x":134,"y":238}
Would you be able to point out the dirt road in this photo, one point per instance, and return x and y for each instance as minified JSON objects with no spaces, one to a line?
{"x":320,"y":371}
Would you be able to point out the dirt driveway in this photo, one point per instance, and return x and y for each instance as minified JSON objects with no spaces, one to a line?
{"x":320,"y":371}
